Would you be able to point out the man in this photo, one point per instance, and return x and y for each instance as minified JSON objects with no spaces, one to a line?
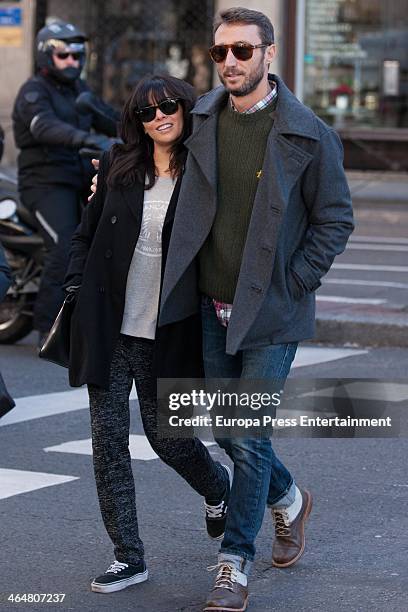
{"x":264,"y":208}
{"x":50,"y":130}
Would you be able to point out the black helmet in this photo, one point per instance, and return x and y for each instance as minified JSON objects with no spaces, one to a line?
{"x":65,"y":37}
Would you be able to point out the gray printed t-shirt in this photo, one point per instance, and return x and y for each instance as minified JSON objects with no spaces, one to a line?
{"x":143,"y":280}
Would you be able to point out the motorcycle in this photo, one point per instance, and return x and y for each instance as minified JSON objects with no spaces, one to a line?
{"x":24,"y":247}
{"x":24,"y":250}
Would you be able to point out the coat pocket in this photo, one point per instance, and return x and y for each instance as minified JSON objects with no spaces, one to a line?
{"x":296,"y":288}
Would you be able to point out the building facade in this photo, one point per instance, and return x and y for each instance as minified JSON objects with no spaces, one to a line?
{"x":352,"y":69}
{"x":347,"y":59}
{"x":16,"y":39}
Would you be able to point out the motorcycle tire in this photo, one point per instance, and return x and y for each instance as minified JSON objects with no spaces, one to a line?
{"x":15,"y":324}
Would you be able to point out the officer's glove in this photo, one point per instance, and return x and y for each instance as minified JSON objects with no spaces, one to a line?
{"x":72,"y":288}
{"x":99,"y":142}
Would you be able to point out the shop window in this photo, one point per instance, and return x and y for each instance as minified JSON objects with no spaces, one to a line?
{"x":356,"y":62}
{"x":130,"y":38}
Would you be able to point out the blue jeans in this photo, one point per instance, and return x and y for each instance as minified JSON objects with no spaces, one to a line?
{"x":259,"y":477}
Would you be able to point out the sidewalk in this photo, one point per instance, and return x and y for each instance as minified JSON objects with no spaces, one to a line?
{"x":378,"y":187}
{"x":361,"y":325}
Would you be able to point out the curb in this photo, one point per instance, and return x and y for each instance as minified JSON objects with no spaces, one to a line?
{"x":372,"y":187}
{"x":376,"y":332}
{"x":378,"y":202}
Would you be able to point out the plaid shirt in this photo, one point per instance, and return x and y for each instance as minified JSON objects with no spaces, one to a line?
{"x":269,"y":99}
{"x":223,"y":310}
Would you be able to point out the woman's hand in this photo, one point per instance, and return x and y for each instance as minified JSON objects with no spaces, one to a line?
{"x":95,"y":163}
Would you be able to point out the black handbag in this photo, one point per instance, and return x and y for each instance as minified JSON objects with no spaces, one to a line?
{"x":6,"y":401}
{"x":57,"y":345}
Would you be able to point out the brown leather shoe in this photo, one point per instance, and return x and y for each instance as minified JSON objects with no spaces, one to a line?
{"x":289,"y":541}
{"x":228,"y":594}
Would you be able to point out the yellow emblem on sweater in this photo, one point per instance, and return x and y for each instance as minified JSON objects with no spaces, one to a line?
{"x":259,"y":174}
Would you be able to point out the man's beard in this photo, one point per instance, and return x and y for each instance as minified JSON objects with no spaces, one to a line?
{"x":251,"y":81}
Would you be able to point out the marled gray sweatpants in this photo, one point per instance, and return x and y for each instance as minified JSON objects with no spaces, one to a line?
{"x":132,"y":359}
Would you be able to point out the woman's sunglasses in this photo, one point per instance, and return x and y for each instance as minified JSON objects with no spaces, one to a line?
{"x":63,"y":55}
{"x":242,"y":51}
{"x":168,"y":106}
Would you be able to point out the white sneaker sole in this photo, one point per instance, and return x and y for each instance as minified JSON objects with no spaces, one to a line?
{"x":217,"y":539}
{"x":96,"y":587}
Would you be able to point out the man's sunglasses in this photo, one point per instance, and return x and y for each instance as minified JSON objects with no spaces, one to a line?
{"x":242,"y":51}
{"x":63,"y":55}
{"x":168,"y":106}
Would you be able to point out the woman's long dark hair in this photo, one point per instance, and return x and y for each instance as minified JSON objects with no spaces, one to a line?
{"x":133,"y":161}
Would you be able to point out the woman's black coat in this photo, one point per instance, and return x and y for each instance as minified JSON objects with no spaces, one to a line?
{"x":102,"y":250}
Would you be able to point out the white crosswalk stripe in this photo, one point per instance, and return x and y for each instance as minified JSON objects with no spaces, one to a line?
{"x":49,"y":404}
{"x":312,"y":355}
{"x":15,"y":482}
{"x":363,"y":390}
{"x":139,"y":447}
{"x":339,"y":299}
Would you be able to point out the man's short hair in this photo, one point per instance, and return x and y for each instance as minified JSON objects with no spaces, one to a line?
{"x":237,"y":14}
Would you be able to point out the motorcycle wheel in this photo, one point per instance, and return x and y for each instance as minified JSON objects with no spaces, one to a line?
{"x":15,"y":323}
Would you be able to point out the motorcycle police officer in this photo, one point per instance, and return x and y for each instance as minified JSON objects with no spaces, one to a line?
{"x":49,"y":131}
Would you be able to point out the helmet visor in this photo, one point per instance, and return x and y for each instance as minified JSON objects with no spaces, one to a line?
{"x":53,"y":44}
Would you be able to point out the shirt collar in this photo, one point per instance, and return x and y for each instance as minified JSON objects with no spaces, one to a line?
{"x":268,"y":99}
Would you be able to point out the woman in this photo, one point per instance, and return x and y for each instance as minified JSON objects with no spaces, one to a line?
{"x":117,"y":259}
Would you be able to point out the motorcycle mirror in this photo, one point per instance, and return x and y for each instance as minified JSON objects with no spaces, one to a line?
{"x":87,"y":153}
{"x":7,"y":208}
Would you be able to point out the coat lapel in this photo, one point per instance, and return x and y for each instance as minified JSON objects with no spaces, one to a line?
{"x":171,"y":209}
{"x":196,"y":205}
{"x":133,"y":196}
{"x":202,"y":145}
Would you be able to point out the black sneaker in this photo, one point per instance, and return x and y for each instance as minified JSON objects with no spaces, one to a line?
{"x":119,"y":576}
{"x":216,"y":513}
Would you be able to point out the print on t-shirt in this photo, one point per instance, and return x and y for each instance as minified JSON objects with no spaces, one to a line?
{"x":150,"y":237}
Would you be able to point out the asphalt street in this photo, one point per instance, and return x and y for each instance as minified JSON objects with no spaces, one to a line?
{"x":53,"y":540}
{"x":373,"y":270}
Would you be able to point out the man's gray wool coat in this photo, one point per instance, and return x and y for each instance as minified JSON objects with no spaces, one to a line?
{"x":301,"y":219}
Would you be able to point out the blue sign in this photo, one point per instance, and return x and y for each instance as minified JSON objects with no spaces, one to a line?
{"x":10,"y":16}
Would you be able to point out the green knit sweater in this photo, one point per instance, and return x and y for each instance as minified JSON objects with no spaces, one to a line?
{"x":241,"y":144}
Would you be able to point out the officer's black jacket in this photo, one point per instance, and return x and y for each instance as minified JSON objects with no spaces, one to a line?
{"x":5,"y":274}
{"x":48,"y":130}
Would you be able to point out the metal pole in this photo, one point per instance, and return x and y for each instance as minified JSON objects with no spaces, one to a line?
{"x":300,"y":48}
{"x":101,"y":39}
{"x":40,"y":14}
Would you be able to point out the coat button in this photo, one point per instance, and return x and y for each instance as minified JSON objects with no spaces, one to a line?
{"x":108,"y":254}
{"x":257,"y":289}
{"x":113,"y":219}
